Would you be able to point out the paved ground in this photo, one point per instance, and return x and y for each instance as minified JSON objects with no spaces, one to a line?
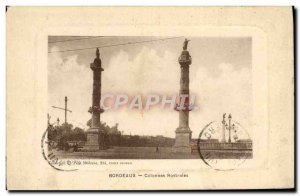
{"x":136,"y":153}
{"x":128,"y":153}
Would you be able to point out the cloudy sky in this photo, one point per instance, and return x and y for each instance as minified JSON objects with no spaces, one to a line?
{"x":220,"y":77}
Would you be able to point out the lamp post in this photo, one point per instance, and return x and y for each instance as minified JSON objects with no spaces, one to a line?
{"x":66,"y":106}
{"x":223,"y":128}
{"x":65,"y":109}
{"x":229,"y":128}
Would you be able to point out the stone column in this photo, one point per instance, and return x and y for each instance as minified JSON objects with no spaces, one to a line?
{"x":94,"y":134}
{"x":183,"y":133}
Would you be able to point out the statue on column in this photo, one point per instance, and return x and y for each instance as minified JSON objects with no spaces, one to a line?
{"x":185,"y":44}
{"x":97,"y":62}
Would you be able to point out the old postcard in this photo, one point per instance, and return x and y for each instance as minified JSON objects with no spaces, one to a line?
{"x":150,"y":98}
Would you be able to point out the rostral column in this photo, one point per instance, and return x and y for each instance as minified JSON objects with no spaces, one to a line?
{"x":95,"y":136}
{"x":183,"y":133}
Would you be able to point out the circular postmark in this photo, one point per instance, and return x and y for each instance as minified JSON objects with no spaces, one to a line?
{"x":48,"y":153}
{"x":224,"y":145}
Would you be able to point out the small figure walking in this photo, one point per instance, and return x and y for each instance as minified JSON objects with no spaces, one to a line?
{"x":157,"y":150}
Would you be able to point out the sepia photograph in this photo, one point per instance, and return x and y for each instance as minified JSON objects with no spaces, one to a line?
{"x":120,"y":97}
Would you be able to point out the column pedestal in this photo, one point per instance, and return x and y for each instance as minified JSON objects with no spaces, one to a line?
{"x":92,"y":143}
{"x":182,"y":140}
{"x":95,"y":140}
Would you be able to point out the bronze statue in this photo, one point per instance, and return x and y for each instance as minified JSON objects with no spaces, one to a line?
{"x":97,"y":61}
{"x":185,"y":44}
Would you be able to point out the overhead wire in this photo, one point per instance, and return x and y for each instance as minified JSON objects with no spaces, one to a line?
{"x":113,"y":45}
{"x":70,"y":40}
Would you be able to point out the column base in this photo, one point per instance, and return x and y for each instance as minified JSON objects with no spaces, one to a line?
{"x":182,"y":140}
{"x":94,"y":141}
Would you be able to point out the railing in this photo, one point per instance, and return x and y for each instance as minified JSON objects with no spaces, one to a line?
{"x":232,"y":146}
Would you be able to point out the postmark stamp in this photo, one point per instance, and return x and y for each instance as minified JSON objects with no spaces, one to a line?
{"x":48,"y":154}
{"x":225,"y":145}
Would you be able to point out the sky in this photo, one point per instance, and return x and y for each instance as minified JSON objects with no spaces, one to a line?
{"x":220,"y":77}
